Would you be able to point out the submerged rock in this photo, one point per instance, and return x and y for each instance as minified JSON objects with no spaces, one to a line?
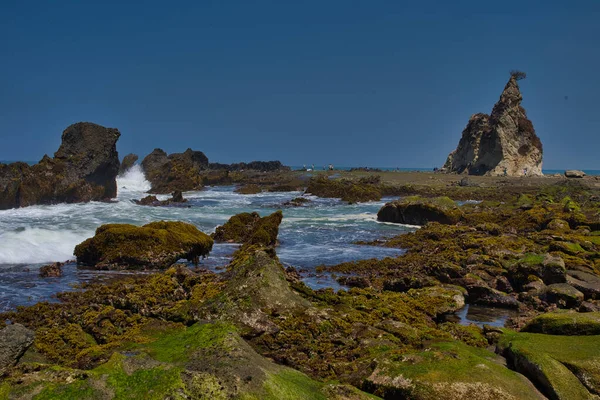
{"x":128,"y":162}
{"x":14,"y":340}
{"x":177,"y":171}
{"x":501,"y":143}
{"x":419,"y":211}
{"x":83,"y":169}
{"x":154,"y":245}
{"x":250,"y":228}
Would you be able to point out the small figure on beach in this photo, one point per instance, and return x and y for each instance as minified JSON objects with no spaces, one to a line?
{"x":505,"y":171}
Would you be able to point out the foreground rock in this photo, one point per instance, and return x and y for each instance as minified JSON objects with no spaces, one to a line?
{"x":128,"y":162}
{"x":14,"y":340}
{"x":565,"y":323}
{"x":563,"y":367}
{"x":250,"y":228}
{"x":83,"y":169}
{"x":177,"y":171}
{"x":503,"y":143}
{"x":154,"y":245}
{"x":419,"y":211}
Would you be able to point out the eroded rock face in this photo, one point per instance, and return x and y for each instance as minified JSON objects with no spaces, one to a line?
{"x":177,"y":171}
{"x":503,"y":143}
{"x":83,"y":169}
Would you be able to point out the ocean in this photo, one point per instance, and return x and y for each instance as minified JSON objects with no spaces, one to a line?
{"x":319,"y":233}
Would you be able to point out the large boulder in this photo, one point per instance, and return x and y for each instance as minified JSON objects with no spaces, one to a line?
{"x":177,"y":171}
{"x":14,"y":340}
{"x":128,"y":162}
{"x":250,"y":228}
{"x":419,"y":211}
{"x":573,"y":173}
{"x":565,"y":323}
{"x":83,"y":169}
{"x":503,"y":143}
{"x":154,"y":245}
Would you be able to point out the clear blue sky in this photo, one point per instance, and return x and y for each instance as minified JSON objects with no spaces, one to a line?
{"x":379,"y":83}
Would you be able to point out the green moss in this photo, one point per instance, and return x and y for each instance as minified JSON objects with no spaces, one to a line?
{"x":561,"y":365}
{"x":175,"y":347}
{"x":251,"y":229}
{"x":565,"y":323}
{"x":154,"y":245}
{"x":290,"y":384}
{"x":74,"y":391}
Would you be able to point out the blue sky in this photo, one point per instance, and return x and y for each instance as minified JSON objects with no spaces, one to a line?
{"x":378,"y":83}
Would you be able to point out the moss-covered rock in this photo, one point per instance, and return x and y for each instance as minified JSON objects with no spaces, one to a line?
{"x":154,"y":245}
{"x":419,"y":211}
{"x":352,"y":191}
{"x":250,"y":228}
{"x":564,"y":295}
{"x":563,"y":367}
{"x":248,"y":189}
{"x":565,"y":323}
{"x":447,"y":370}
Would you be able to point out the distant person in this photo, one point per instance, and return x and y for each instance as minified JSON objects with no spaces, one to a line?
{"x":505,"y":171}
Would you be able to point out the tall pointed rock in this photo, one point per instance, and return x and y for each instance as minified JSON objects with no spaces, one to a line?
{"x":501,"y":143}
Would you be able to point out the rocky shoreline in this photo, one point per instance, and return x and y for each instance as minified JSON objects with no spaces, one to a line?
{"x":531,"y":246}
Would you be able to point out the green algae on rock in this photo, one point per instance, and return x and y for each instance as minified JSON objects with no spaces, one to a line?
{"x":416,"y":210}
{"x":563,"y":367}
{"x":250,"y":228}
{"x":565,"y":323}
{"x":154,"y":245}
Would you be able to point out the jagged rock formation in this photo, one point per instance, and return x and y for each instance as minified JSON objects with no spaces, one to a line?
{"x":128,"y":162}
{"x":83,"y":169}
{"x":177,"y":171}
{"x":503,"y":143}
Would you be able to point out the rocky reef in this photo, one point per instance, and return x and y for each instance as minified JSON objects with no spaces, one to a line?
{"x":154,"y":245}
{"x":83,"y":169}
{"x":502,"y":143}
{"x":264,"y":166}
{"x":177,"y":171}
{"x":176,"y":200}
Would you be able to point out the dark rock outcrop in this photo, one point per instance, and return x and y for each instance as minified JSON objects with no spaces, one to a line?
{"x":53,"y":270}
{"x":128,"y":162}
{"x":419,"y":211}
{"x":154,"y":245}
{"x":177,"y":171}
{"x":83,"y":169}
{"x":250,"y":228}
{"x":14,"y":340}
{"x":501,"y":143}
{"x":176,"y":200}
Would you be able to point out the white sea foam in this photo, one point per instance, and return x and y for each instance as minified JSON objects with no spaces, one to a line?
{"x":133,"y":180}
{"x":38,"y":245}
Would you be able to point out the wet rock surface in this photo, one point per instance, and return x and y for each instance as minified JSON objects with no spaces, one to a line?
{"x":419,"y":211}
{"x":128,"y":161}
{"x":14,"y":341}
{"x":176,"y":171}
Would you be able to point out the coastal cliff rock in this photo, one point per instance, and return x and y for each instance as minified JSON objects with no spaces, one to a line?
{"x":128,"y":162}
{"x":83,"y":169}
{"x":154,"y":245}
{"x":501,"y":143}
{"x":177,"y":171}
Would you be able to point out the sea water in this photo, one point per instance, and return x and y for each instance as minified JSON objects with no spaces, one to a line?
{"x":319,"y":233}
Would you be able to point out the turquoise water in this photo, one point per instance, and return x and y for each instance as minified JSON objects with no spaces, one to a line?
{"x":321,"y":232}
